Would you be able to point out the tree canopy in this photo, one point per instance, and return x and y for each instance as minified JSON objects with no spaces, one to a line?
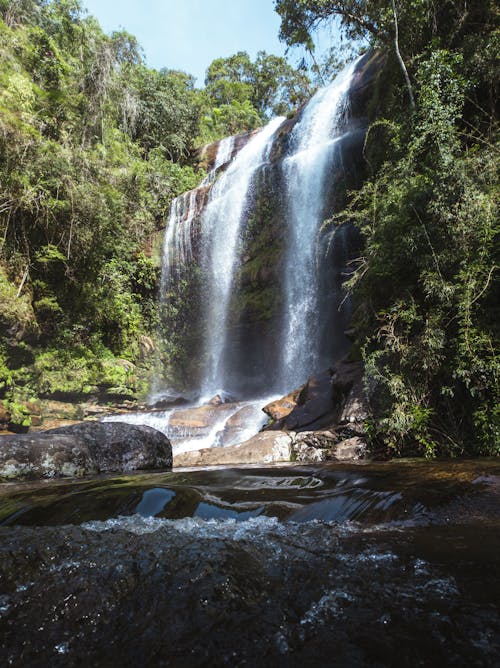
{"x":94,"y":145}
{"x":426,"y":284}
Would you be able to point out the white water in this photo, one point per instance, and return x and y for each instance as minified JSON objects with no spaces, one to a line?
{"x":220,"y":228}
{"x":184,"y":439}
{"x":177,"y":246}
{"x":316,"y":149}
{"x":177,"y":249}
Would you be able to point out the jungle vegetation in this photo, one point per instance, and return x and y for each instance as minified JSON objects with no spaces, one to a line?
{"x":426,"y":284}
{"x":94,"y":145}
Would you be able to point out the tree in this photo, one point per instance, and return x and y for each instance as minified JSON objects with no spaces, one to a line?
{"x":407,"y":26}
{"x":426,"y":288}
{"x":167,"y":111}
{"x":270,"y":84}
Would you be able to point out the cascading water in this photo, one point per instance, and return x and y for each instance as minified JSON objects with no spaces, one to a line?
{"x":177,"y":246}
{"x":221,"y":225}
{"x":316,"y":149}
{"x":254,"y":224}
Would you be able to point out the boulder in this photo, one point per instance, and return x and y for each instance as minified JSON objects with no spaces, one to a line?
{"x":264,"y":448}
{"x":220,"y":399}
{"x":311,"y":447}
{"x":320,"y":446}
{"x":85,"y":448}
{"x":280,"y":408}
{"x":118,"y":446}
{"x":244,"y":423}
{"x":44,"y":456}
{"x":350,"y":449}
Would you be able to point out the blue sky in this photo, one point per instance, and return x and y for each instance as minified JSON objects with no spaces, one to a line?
{"x":189,"y":34}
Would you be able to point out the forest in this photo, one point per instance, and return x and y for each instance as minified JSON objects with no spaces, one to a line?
{"x":94,"y":146}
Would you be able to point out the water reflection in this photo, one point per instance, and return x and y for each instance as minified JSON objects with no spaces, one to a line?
{"x":154,"y":501}
{"x":371,"y":494}
{"x":208,"y":511}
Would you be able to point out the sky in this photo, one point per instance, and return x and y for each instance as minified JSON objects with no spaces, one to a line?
{"x":189,"y":34}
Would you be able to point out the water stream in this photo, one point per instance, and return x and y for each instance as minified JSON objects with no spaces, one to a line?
{"x":374,"y":565}
{"x":221,"y":228}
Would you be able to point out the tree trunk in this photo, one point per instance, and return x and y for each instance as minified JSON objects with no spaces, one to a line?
{"x":400,"y":59}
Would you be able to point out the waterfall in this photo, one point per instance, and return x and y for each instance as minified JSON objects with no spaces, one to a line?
{"x":220,"y":229}
{"x":261,"y":314}
{"x":265,"y":278}
{"x":224,"y":155}
{"x":177,"y":246}
{"x":315,"y":151}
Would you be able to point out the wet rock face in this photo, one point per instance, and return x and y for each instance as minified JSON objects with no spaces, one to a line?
{"x":83,"y":449}
{"x":333,"y":398}
{"x":117,"y":446}
{"x":207,"y":154}
{"x":258,"y":593}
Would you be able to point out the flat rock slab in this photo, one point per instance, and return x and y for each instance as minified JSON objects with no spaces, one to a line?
{"x":201,"y":417}
{"x":264,"y":448}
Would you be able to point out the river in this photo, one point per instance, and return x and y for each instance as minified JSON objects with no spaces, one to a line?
{"x":374,"y":564}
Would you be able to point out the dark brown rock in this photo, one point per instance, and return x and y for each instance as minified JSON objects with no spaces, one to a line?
{"x":117,"y":446}
{"x":333,"y":398}
{"x":314,"y":406}
{"x":26,"y":456}
{"x":4,"y":417}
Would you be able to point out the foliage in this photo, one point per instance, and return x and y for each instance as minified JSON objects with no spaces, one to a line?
{"x":270,"y":83}
{"x":241,"y":95}
{"x":426,"y":285}
{"x":94,"y":145}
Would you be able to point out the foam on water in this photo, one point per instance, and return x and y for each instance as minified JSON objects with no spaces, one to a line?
{"x":185,"y":440}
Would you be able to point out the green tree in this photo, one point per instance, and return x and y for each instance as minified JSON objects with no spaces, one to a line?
{"x":426,"y":286}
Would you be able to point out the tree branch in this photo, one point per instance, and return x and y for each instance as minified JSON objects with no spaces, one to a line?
{"x":400,"y":58}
